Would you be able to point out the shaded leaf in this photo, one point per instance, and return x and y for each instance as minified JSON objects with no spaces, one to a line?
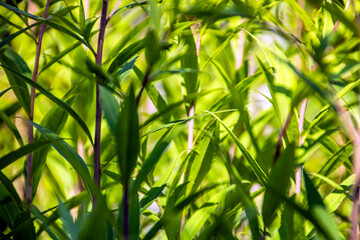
{"x":127,"y":137}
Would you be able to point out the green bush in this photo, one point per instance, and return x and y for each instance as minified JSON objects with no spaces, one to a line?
{"x":179,"y":119}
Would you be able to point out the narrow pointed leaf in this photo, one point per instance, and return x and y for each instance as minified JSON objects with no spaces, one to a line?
{"x":319,"y":211}
{"x":279,"y":180}
{"x":110,"y":106}
{"x":11,"y":157}
{"x":260,"y":173}
{"x":156,"y":153}
{"x":56,"y":100}
{"x":127,"y":137}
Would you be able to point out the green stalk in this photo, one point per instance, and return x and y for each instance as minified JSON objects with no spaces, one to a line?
{"x":32,"y":101}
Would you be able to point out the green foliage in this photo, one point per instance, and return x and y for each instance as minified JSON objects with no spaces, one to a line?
{"x":230,"y":170}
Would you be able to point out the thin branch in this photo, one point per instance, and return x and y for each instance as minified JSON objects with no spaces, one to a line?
{"x":144,"y":83}
{"x":126,"y":212}
{"x":301,"y":141}
{"x":191,"y":126}
{"x":302,"y":108}
{"x":355,"y":135}
{"x":278,"y":146}
{"x":32,"y":101}
{"x":113,"y":11}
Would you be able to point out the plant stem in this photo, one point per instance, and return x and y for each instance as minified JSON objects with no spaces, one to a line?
{"x":191,"y":126}
{"x":279,"y":143}
{"x":355,"y":135}
{"x":97,"y":169}
{"x":126,"y":212}
{"x":32,"y":101}
{"x":113,"y":11}
{"x":301,"y":127}
{"x":144,"y":83}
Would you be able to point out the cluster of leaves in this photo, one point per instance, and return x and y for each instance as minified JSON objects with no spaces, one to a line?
{"x":237,"y":74}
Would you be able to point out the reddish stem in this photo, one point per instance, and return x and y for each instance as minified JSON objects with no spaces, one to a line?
{"x":144,"y":83}
{"x":97,"y":169}
{"x":282,"y":134}
{"x":301,"y":127}
{"x":126,"y":212}
{"x":32,"y":101}
{"x":191,"y":126}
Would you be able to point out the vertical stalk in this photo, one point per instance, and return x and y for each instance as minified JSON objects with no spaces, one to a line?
{"x":355,"y":135}
{"x":301,"y":127}
{"x":191,"y":123}
{"x":191,"y":126}
{"x":32,"y":101}
{"x":302,"y":108}
{"x":282,"y":134}
{"x":143,"y":84}
{"x":97,"y":170}
{"x":126,"y":212}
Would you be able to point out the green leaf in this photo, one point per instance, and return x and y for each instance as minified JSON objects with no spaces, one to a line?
{"x":126,"y":69}
{"x":152,"y":48}
{"x":81,"y":16}
{"x":14,"y":35}
{"x":259,"y":172}
{"x":110,"y":106}
{"x":156,"y":153}
{"x":68,"y":222}
{"x":10,"y":110}
{"x":9,"y":58}
{"x":308,"y":22}
{"x":48,"y":22}
{"x":199,"y":166}
{"x":271,"y":85}
{"x":16,"y":10}
{"x":130,"y":6}
{"x":68,"y":23}
{"x":95,"y":226}
{"x":292,"y":225}
{"x":334,"y":199}
{"x":336,"y":160}
{"x":197,"y":220}
{"x":154,"y":95}
{"x":11,"y":157}
{"x":339,"y":15}
{"x":279,"y":181}
{"x":8,"y":185}
{"x":125,"y":55}
{"x":8,"y":209}
{"x":172,"y":106}
{"x":44,"y":221}
{"x":155,"y":14}
{"x":12,"y":127}
{"x":56,"y":100}
{"x":172,"y":219}
{"x":59,"y":56}
{"x":127,"y":137}
{"x":88,"y":27}
{"x":54,"y":120}
{"x":25,"y":229}
{"x":69,"y":154}
{"x":318,"y":210}
{"x":190,"y":60}
{"x":150,"y":197}
{"x":70,"y":33}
